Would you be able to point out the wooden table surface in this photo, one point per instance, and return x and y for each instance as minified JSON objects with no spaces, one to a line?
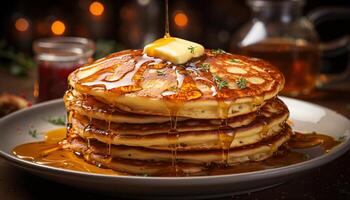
{"x":331,"y":181}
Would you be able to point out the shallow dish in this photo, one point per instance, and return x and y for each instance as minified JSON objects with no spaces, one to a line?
{"x":306,"y":117}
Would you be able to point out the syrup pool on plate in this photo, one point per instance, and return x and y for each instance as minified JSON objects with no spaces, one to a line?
{"x":50,"y":152}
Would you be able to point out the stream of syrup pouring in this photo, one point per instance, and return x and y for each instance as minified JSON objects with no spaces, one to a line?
{"x":50,"y":153}
{"x":174,"y":106}
{"x":188,"y":90}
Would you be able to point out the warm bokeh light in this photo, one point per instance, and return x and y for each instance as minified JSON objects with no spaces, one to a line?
{"x":143,"y":2}
{"x":96,"y":8}
{"x":22,"y":24}
{"x":58,"y":27}
{"x":181,"y":19}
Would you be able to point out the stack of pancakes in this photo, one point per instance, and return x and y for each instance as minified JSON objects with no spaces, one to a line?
{"x":144,"y":115}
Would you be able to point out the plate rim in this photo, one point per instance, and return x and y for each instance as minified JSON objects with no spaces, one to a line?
{"x":285,"y":170}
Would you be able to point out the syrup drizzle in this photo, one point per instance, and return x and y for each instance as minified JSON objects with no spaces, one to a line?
{"x":174,"y":99}
{"x":110,"y":135}
{"x":225,"y":137}
{"x":187,"y":76}
{"x":301,"y":141}
{"x":123,"y":72}
{"x":51,"y":152}
{"x":167,"y":32}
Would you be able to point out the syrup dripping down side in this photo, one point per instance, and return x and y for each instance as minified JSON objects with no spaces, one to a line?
{"x":51,"y":153}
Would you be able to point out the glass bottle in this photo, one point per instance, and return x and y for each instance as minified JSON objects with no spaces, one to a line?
{"x":279,"y":34}
{"x":56,"y":58}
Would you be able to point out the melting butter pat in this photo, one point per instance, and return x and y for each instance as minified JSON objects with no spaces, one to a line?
{"x":175,"y":50}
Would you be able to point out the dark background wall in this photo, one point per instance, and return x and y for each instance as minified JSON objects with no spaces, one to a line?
{"x":131,"y":24}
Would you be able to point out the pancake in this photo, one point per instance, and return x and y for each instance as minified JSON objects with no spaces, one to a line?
{"x":89,"y":106}
{"x":190,"y":140}
{"x":192,"y":134}
{"x":146,"y":115}
{"x":99,"y":152}
{"x":149,"y":168}
{"x":214,"y":86}
{"x":271,"y":109}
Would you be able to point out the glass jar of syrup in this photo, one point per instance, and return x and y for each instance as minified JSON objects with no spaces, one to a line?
{"x":56,"y":59}
{"x":279,"y":34}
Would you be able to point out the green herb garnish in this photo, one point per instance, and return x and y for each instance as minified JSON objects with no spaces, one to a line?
{"x":191,"y":49}
{"x":306,"y":156}
{"x":34,"y":133}
{"x":342,"y":138}
{"x":58,"y":120}
{"x":172,"y":88}
{"x":234,"y":60}
{"x":160,"y":73}
{"x":241,"y":83}
{"x":204,"y":67}
{"x":15,"y":62}
{"x":217,"y":51}
{"x":221,"y":83}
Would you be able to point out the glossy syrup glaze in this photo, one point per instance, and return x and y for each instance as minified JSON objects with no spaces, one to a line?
{"x":51,"y":153}
{"x":301,"y":141}
{"x":214,"y":76}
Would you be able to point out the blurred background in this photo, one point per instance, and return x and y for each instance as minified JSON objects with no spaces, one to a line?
{"x":308,"y":40}
{"x":132,"y":23}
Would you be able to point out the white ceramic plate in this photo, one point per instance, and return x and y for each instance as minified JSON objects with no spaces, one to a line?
{"x":305,"y":116}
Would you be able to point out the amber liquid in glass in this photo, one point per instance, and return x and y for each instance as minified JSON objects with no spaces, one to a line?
{"x":53,"y":80}
{"x":297,"y":60}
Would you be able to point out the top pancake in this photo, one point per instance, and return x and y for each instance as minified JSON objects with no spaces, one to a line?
{"x":216,"y":85}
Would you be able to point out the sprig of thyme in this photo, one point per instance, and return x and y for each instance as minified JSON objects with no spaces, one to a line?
{"x":220,"y":82}
{"x":58,"y":120}
{"x":241,"y":83}
{"x":34,"y":133}
{"x":234,"y":60}
{"x":204,"y":67}
{"x":342,"y":138}
{"x":160,"y":73}
{"x":306,"y":156}
{"x":173,"y":89}
{"x":191,"y":49}
{"x":217,"y":51}
{"x":15,"y":62}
